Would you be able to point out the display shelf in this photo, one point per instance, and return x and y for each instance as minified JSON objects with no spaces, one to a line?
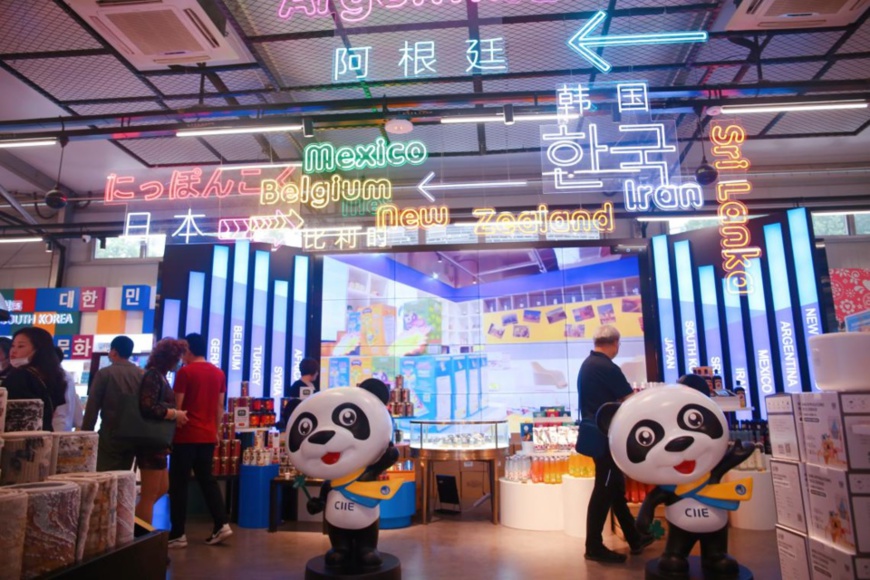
{"x":458,"y":436}
{"x":142,"y":559}
{"x":253,"y":429}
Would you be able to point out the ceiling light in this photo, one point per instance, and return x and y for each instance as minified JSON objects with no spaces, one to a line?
{"x":19,"y":240}
{"x":845,"y":212}
{"x":9,"y":143}
{"x":260,"y":165}
{"x":500,"y":117}
{"x":398,"y":126}
{"x":470,"y":119}
{"x":205,"y":132}
{"x":509,"y":114}
{"x":676,"y":218}
{"x":790,"y":107}
{"x":307,"y":127}
{"x":547,"y":117}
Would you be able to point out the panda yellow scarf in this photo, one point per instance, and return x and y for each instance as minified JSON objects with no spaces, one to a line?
{"x":365,"y":493}
{"x":725,"y":496}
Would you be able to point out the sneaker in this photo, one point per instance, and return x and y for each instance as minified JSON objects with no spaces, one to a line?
{"x":605,"y":556}
{"x":179,"y":542}
{"x":220,"y":535}
{"x":645,"y":541}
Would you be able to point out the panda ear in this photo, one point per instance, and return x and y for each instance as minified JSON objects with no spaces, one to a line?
{"x":605,"y":415}
{"x":378,"y":388}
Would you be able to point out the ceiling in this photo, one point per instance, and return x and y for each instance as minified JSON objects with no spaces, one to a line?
{"x":58,"y":76}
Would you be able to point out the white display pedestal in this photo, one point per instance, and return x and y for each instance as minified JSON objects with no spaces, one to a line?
{"x":576,"y":492}
{"x":759,"y":513}
{"x":531,"y":506}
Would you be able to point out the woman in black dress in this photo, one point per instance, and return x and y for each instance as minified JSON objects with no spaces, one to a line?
{"x":35,"y":372}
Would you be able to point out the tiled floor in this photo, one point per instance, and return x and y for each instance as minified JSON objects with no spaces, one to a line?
{"x":449,"y":547}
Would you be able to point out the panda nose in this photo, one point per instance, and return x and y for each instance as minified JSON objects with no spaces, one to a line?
{"x":679,"y":444}
{"x":321,"y":437}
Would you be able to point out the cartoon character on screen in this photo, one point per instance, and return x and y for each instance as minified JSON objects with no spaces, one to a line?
{"x":677,"y":439}
{"x":342,"y":436}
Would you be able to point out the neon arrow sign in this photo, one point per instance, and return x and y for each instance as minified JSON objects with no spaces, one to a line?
{"x":246,"y":228}
{"x":583,"y":44}
{"x":424,"y":186}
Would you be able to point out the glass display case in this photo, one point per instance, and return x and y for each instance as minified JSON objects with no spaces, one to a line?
{"x":459,"y":435}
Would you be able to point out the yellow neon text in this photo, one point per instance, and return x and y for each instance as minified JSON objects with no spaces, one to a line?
{"x":389,"y":215}
{"x":542,"y":220}
{"x":319,"y":194}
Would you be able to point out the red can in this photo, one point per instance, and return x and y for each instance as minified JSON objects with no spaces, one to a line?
{"x":270,"y":404}
{"x":254,"y":420}
{"x":256,"y":405}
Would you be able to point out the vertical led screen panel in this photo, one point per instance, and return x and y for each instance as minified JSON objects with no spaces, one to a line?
{"x":664,"y":297}
{"x":477,"y":334}
{"x":217,"y":305}
{"x":736,"y":342}
{"x":808,"y":295}
{"x":782,"y":309}
{"x":259,"y":308}
{"x":171,"y":318}
{"x":710,"y":317}
{"x":300,"y":313}
{"x":195,"y":301}
{"x":280,"y":311}
{"x":686,"y":293}
{"x":238,"y":317}
{"x":761,"y":338}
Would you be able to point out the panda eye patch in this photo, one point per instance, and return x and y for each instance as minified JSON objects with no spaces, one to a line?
{"x":347,"y":417}
{"x":701,"y":420}
{"x":305,"y":426}
{"x":642,"y":438}
{"x":645,"y":436}
{"x":353,"y":419}
{"x":302,"y":427}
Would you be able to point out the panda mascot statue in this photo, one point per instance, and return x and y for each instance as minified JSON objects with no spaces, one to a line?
{"x":678,"y":440}
{"x":342,"y":435}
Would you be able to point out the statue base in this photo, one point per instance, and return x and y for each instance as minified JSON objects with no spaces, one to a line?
{"x":696,"y":572}
{"x":390,"y":569}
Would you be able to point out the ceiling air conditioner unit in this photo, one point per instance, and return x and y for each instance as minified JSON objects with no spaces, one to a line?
{"x":782,"y":14}
{"x":156,"y":34}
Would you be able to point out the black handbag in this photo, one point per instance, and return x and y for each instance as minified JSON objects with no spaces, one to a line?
{"x":591,"y":441}
{"x":138,"y":430}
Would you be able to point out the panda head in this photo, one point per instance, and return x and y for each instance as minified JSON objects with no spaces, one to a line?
{"x":665,"y":436}
{"x":337,"y":432}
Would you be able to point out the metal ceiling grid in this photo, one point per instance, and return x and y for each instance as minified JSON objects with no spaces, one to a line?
{"x":808,"y":44}
{"x":721,"y":49}
{"x":785,"y":72}
{"x":301,"y":62}
{"x":523,"y":47}
{"x":847,"y":121}
{"x":120,"y":108}
{"x":545,"y":84}
{"x":656,"y":78}
{"x":444,"y":138}
{"x":849,"y":69}
{"x":182,"y":84}
{"x":244,"y":80}
{"x":236,"y":147}
{"x":170,"y":150}
{"x":260,"y":18}
{"x":86,"y":77}
{"x":858,"y":42}
{"x":754,"y":124}
{"x":501,"y":137}
{"x":623,"y":4}
{"x":328,"y":95}
{"x":27,"y":26}
{"x":252,"y":100}
{"x":193,"y":103}
{"x":410,"y":90}
{"x":342,"y":137}
{"x":495,"y":9}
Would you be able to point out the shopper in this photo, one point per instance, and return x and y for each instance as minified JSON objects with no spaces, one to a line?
{"x":36,"y":372}
{"x":600,"y":381}
{"x":69,"y":415}
{"x":309,"y":368}
{"x":5,"y":347}
{"x":104,"y":399}
{"x":157,"y":401}
{"x":200,"y":390}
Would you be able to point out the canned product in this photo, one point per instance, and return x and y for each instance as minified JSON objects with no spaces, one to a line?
{"x":244,"y":388}
{"x":256,"y":404}
{"x":270,"y":404}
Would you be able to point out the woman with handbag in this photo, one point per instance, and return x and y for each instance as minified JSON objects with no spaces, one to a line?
{"x":157,"y":402}
{"x":36,"y":372}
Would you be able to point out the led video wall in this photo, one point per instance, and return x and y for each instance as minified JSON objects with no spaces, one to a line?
{"x":753,"y":333}
{"x":248,"y":301}
{"x":477,"y":334}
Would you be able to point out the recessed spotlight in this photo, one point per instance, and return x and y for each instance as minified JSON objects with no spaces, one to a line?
{"x":399,"y":126}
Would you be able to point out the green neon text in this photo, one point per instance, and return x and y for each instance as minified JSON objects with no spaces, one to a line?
{"x":326,"y":158}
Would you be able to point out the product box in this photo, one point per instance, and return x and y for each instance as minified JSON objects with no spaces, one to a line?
{"x":339,"y":373}
{"x":836,"y":429}
{"x":460,"y":382}
{"x":794,"y":560}
{"x":360,"y":369}
{"x":830,"y":563}
{"x":839,"y":508}
{"x":790,"y":494}
{"x":784,"y":422}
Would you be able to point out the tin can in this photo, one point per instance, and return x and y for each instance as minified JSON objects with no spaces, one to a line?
{"x":234,"y":466}
{"x":408,"y":410}
{"x":270,"y":404}
{"x":255,"y":420}
{"x":256,"y":405}
{"x":400,"y":381}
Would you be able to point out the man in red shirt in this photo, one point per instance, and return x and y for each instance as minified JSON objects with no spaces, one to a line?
{"x":200,"y":389}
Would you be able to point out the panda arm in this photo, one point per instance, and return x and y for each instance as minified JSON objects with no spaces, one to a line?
{"x":647,"y":509}
{"x":315,"y":505}
{"x":738,"y":452}
{"x":390,"y":456}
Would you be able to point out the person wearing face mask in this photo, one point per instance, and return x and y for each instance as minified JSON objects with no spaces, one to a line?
{"x":36,"y":372}
{"x":5,"y":347}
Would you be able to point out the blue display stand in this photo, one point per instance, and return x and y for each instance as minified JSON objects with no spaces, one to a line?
{"x":396,"y":512}
{"x":254,"y":495}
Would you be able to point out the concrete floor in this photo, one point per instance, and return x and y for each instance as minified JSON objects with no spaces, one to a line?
{"x":451,"y":547}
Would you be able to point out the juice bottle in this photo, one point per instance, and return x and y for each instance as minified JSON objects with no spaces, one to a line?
{"x":537,"y":470}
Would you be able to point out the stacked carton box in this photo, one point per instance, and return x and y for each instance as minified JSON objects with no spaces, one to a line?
{"x":821,"y":472}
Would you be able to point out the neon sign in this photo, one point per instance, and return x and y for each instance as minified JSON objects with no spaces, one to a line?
{"x":138,"y":224}
{"x":246,"y":228}
{"x":538,"y":221}
{"x":737,"y":253}
{"x":326,"y":158}
{"x":319,"y":194}
{"x":353,"y":11}
{"x":584,"y":45}
{"x":664,"y":197}
{"x":190,"y":184}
